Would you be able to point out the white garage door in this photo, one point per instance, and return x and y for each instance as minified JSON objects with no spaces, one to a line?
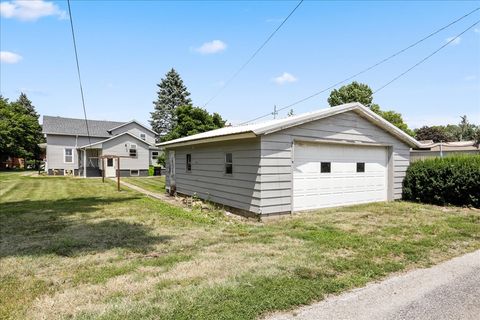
{"x":327,"y":175}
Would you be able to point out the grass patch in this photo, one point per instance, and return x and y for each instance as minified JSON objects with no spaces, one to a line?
{"x":77,"y":248}
{"x":153,"y":183}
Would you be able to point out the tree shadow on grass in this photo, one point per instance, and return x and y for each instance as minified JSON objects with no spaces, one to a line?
{"x":68,"y":227}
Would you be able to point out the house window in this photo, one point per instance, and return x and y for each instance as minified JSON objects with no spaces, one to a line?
{"x":189,"y":163}
{"x":228,"y":163}
{"x":110,"y":162}
{"x":134,"y":173}
{"x":325,"y":167}
{"x":154,"y":154}
{"x":143,"y":136}
{"x":68,"y":155}
{"x":360,"y":166}
{"x":133,"y":150}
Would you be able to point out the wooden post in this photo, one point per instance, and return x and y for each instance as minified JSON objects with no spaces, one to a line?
{"x":118,"y":173}
{"x":103,"y":170}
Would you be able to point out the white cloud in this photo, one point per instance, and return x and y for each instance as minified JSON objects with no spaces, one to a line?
{"x":30,"y":10}
{"x":455,"y":41}
{"x":211,"y":47}
{"x":285,"y":78}
{"x":9,"y":57}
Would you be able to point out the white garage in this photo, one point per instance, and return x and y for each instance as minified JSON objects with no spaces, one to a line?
{"x":328,"y":175}
{"x":337,"y":156}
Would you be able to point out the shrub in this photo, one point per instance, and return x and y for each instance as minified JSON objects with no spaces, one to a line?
{"x":151,"y":171}
{"x":452,"y":180}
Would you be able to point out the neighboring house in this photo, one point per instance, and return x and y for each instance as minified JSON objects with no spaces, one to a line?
{"x":71,"y":150}
{"x":432,"y":149}
{"x":337,"y":156}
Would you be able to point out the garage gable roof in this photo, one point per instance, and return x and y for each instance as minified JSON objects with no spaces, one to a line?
{"x":253,"y":130}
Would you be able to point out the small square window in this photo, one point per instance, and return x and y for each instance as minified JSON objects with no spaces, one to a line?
{"x":143,"y":136}
{"x":360,"y":166}
{"x":154,"y":154}
{"x":134,"y":173}
{"x":133,"y":152}
{"x":228,"y":163}
{"x":189,"y":162}
{"x":325,"y":167}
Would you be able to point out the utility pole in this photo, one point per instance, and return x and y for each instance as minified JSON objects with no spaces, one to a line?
{"x":275,"y":112}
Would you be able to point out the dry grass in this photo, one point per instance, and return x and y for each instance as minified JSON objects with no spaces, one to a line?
{"x":77,"y":248}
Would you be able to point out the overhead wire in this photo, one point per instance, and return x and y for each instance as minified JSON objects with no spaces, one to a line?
{"x":371,"y":67}
{"x":78,"y":71}
{"x":253,"y":55}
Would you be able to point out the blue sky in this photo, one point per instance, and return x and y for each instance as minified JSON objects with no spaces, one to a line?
{"x":126,"y":47}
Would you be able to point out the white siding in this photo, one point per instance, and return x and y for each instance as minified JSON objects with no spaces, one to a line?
{"x":136,"y":130}
{"x":56,"y":145}
{"x":208,"y":179}
{"x":117,"y":147}
{"x":345,"y":127}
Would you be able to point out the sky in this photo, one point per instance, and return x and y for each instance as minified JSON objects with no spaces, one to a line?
{"x":126,"y":47}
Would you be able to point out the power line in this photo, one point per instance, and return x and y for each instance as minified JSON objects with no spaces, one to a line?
{"x":368,"y":68}
{"x":426,"y":58}
{"x":78,"y":71}
{"x":253,"y":55}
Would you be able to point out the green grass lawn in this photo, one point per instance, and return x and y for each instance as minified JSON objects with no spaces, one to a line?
{"x":76,"y":248}
{"x":154,"y":184}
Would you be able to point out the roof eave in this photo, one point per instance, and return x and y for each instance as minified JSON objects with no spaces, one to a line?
{"x":235,"y":136}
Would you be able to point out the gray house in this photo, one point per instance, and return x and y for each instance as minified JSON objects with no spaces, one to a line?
{"x":337,"y":156}
{"x":70,"y":150}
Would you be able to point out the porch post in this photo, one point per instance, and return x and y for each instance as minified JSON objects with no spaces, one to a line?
{"x":85,"y":163}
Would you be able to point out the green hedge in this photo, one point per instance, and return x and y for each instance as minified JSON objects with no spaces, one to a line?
{"x":452,"y":180}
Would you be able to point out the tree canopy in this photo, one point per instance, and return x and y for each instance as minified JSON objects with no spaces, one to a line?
{"x":353,"y":92}
{"x":20,"y":131}
{"x":463,"y":131}
{"x":360,"y":92}
{"x":172,"y":93}
{"x":193,"y":120}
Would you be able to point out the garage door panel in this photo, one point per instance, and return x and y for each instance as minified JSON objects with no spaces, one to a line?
{"x":343,"y":185}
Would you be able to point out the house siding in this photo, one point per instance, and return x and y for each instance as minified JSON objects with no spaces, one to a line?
{"x":117,"y":147}
{"x":136,"y":130}
{"x":276,"y":161}
{"x":208,"y":180}
{"x":56,"y":145}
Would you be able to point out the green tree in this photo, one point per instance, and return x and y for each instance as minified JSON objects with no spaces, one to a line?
{"x":172,"y":93}
{"x":466,"y":129}
{"x":20,"y":132}
{"x":193,"y":120}
{"x":353,"y":92}
{"x":27,"y":104}
{"x":435,"y":133}
{"x":360,"y":92}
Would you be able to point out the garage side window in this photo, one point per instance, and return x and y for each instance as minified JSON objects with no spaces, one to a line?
{"x":228,"y":163}
{"x":325,"y":167}
{"x":189,"y":163}
{"x":360,"y":166}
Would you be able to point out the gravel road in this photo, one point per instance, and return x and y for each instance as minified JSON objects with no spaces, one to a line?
{"x":450,"y":290}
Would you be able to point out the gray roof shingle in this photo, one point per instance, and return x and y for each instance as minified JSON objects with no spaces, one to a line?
{"x":70,"y":126}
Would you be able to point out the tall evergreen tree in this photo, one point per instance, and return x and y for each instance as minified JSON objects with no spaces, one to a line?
{"x":27,"y":104}
{"x":172,"y":93}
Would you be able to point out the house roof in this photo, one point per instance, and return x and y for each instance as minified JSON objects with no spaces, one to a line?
{"x":71,"y":126}
{"x":99,"y":143}
{"x":133,"y":121}
{"x":253,"y":130}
